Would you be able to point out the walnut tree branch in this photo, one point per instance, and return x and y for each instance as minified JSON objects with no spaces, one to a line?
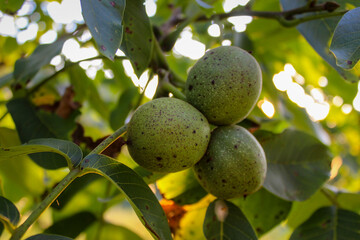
{"x":286,"y":18}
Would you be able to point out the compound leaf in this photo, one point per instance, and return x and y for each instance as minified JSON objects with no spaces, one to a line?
{"x":32,"y":124}
{"x":318,"y":34}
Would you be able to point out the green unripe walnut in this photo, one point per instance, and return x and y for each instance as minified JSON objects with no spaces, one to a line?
{"x":167,"y":135}
{"x":234,"y":164}
{"x":224,"y":85}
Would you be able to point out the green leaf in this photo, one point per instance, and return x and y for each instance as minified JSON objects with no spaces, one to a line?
{"x":11,"y":6}
{"x":136,"y":190}
{"x":137,"y":42}
{"x":225,"y":221}
{"x":72,"y":226}
{"x":168,"y":42}
{"x":349,"y":201}
{"x":6,"y":79}
{"x":301,"y":211}
{"x":318,"y":34}
{"x":298,"y":164}
{"x":58,"y":126}
{"x":48,"y":237}
{"x":86,"y":90}
{"x":26,"y":68}
{"x":181,"y":187}
{"x":9,"y":214}
{"x":31,"y":124}
{"x":70,"y":151}
{"x":113,"y":232}
{"x":14,"y":152}
{"x":272,"y":212}
{"x":346,"y":40}
{"x":329,"y":223}
{"x":15,"y":174}
{"x":123,"y":107}
{"x":77,"y":185}
{"x":104,"y":20}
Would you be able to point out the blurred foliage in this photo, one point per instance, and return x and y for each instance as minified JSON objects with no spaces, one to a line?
{"x":65,"y":88}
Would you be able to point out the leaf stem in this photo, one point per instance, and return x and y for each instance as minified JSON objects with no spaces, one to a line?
{"x":177,"y":80}
{"x":158,"y":60}
{"x":3,"y":116}
{"x":8,"y":226}
{"x":104,"y":144}
{"x":160,"y":66}
{"x":331,"y":198}
{"x":174,"y":90}
{"x":20,"y":231}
